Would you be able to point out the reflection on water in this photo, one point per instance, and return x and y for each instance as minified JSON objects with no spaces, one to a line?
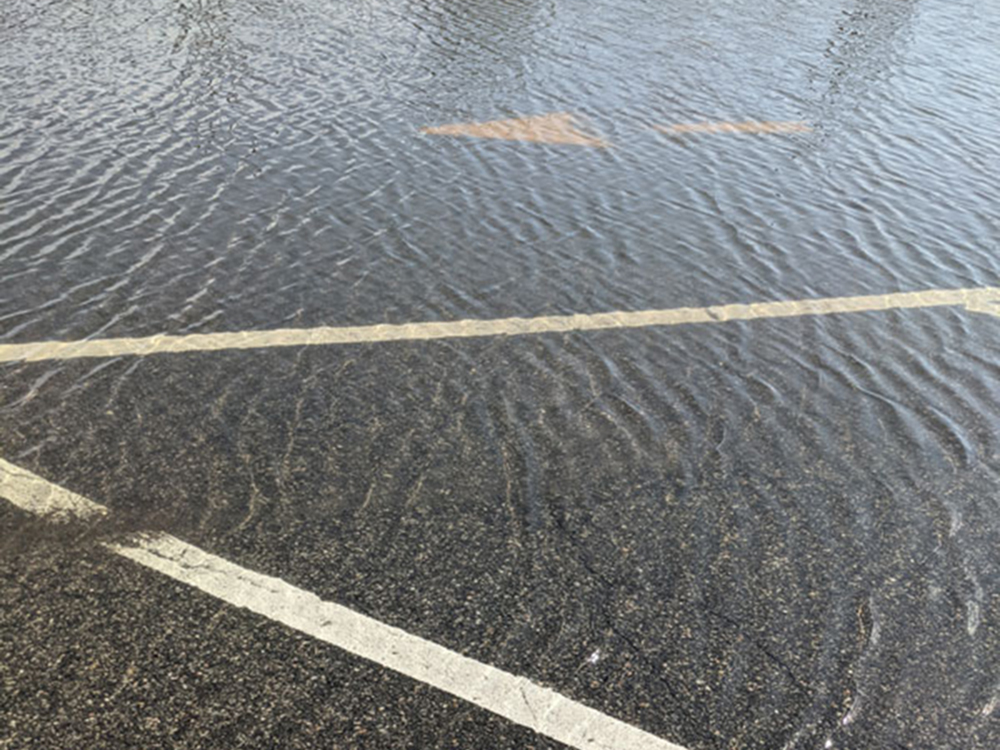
{"x":784,"y":529}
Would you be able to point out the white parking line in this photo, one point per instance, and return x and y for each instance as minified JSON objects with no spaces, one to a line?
{"x":515,"y":698}
{"x":982,"y":299}
{"x":42,"y":498}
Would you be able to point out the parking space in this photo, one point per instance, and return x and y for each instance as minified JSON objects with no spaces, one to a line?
{"x":104,"y":653}
{"x":382,"y":376}
{"x":595,"y":592}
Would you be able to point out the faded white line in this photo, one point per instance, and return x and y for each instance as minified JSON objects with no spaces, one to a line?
{"x":42,"y":498}
{"x":983,"y":299}
{"x":515,"y":698}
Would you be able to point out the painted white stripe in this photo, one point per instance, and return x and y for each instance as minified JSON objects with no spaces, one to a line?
{"x":512,"y":697}
{"x":32,"y":493}
{"x":515,"y":698}
{"x":983,"y":299}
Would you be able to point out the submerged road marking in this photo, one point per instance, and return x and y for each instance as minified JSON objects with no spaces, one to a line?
{"x":982,"y":299}
{"x":515,"y":698}
{"x":561,"y":128}
{"x":42,"y":498}
{"x":557,"y":128}
{"x":750,"y":126}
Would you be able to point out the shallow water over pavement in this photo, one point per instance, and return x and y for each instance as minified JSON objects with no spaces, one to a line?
{"x":774,"y":533}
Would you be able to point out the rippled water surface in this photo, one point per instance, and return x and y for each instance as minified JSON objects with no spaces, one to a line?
{"x":780,"y":533}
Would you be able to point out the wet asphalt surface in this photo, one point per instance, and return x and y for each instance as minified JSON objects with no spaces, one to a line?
{"x":763,"y":534}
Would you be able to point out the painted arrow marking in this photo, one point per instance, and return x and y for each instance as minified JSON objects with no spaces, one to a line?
{"x":561,"y":128}
{"x":750,"y":126}
{"x":555,"y":128}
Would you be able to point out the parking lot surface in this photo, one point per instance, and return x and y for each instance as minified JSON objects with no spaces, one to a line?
{"x":522,"y":374}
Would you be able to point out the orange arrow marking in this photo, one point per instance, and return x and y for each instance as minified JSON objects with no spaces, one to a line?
{"x":751,"y":126}
{"x":558,"y":128}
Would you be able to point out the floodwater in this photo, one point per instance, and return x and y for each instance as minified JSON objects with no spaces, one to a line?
{"x":776,"y":533}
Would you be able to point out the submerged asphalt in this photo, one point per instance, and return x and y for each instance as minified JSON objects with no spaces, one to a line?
{"x":765,"y":533}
